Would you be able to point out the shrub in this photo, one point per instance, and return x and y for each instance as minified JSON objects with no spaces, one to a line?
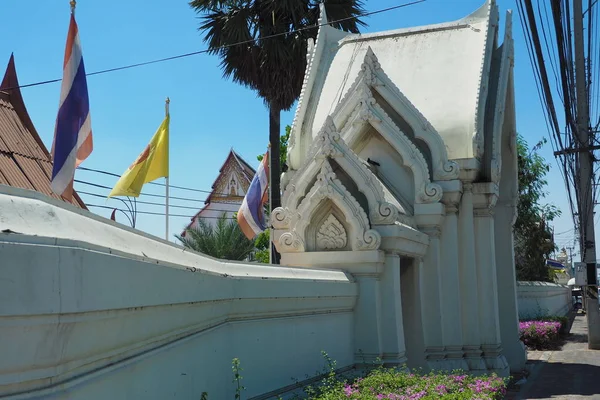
{"x":564,"y":323}
{"x":394,"y":384}
{"x":539,"y":335}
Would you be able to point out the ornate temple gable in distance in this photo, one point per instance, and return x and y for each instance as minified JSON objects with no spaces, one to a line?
{"x":228,"y":189}
{"x":233,"y":180}
{"x":442,"y":69}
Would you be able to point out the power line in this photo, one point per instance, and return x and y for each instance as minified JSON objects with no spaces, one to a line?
{"x":148,"y":212}
{"x":155,"y":183}
{"x":144,"y":194}
{"x":155,"y":204}
{"x":104,"y":71}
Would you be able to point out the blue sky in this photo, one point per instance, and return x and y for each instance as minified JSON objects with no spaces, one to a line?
{"x":209,"y":115}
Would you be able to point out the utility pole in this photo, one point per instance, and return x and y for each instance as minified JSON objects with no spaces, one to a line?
{"x":571,"y":271}
{"x":586,"y":177}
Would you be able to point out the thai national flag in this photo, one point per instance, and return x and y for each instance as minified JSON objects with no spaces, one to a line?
{"x":251,"y":216}
{"x":73,"y":132}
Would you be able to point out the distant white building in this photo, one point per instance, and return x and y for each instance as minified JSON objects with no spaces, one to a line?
{"x":228,"y":190}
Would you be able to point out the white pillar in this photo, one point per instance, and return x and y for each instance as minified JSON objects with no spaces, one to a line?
{"x":450,"y":293}
{"x":411,"y":313}
{"x":513,"y":348}
{"x":393,"y":347}
{"x":367,"y":319}
{"x":468,"y":282}
{"x":489,"y":320}
{"x":430,"y":298}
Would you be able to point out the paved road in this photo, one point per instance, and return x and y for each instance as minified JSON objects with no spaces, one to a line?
{"x":570,"y":373}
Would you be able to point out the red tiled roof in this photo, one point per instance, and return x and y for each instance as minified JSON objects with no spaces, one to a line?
{"x":24,"y":160}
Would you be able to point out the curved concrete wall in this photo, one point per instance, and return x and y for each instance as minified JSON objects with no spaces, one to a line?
{"x":92,"y":310}
{"x":543,"y":299}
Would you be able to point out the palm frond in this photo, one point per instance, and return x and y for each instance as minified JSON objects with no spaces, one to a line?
{"x":224,"y":240}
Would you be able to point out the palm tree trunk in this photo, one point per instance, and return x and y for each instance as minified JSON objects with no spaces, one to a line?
{"x":274,"y":139}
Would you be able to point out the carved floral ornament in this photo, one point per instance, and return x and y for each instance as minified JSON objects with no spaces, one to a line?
{"x":295,"y":222}
{"x":329,"y":145}
{"x":331,"y":235}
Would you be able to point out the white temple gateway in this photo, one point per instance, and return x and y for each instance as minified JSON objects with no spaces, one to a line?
{"x":395,"y":234}
{"x":403,"y":172}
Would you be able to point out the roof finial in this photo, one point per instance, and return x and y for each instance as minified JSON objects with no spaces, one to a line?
{"x":73,"y":3}
{"x":323,"y":17}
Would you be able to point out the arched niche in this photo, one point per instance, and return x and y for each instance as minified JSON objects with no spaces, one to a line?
{"x":369,"y":117}
{"x":391,"y":170}
{"x":328,"y":229}
{"x":299,"y":227}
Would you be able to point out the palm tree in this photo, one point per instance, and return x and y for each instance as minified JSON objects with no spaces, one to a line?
{"x":225,"y":240}
{"x":272,"y":66}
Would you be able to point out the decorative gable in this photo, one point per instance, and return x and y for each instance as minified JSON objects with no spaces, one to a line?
{"x":327,"y":218}
{"x":329,"y":148}
{"x":442,"y":68}
{"x":360,"y":103}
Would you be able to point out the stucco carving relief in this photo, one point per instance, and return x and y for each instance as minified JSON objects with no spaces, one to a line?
{"x":326,"y":188}
{"x":331,"y":235}
{"x":369,"y":112}
{"x":329,"y":144}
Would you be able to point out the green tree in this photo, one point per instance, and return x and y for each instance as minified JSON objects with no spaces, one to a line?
{"x":273,"y":66}
{"x":283,"y":145}
{"x":533,"y":237}
{"x":225,"y":240}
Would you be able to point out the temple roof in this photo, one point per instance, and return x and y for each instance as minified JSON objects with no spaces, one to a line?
{"x":442,"y":69}
{"x":246,"y":170}
{"x":24,"y":160}
{"x":233,"y":162}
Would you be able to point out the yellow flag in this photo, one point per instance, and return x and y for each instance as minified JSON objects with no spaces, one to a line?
{"x":153,"y":163}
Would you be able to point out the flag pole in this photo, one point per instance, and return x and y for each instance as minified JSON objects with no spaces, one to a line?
{"x":167,"y":101}
{"x":270,"y":207}
{"x":73,"y":3}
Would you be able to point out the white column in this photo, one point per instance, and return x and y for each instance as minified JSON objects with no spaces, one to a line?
{"x":450,"y":293}
{"x":468,"y":282}
{"x":392,"y":327}
{"x":430,"y":298}
{"x":512,"y":347}
{"x":415,"y":346}
{"x":489,"y":322}
{"x":367,"y":319}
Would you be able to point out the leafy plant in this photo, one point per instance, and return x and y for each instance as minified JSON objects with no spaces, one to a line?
{"x":539,"y":335}
{"x":262,"y":243}
{"x":237,"y":378}
{"x":391,"y":383}
{"x":225,"y":240}
{"x":533,"y":237}
{"x":283,"y":146}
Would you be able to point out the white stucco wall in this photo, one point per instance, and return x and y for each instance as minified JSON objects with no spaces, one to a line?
{"x":543,"y":299}
{"x":214,"y":210}
{"x":80,"y":319}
